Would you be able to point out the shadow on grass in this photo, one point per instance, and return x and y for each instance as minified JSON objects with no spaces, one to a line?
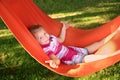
{"x":72,"y":19}
{"x":2,"y":25}
{"x":28,"y":70}
{"x":59,"y":6}
{"x":107,"y":10}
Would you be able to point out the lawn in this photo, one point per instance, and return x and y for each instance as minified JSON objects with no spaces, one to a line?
{"x":17,"y":64}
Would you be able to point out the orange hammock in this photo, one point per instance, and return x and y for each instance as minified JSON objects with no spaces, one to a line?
{"x":18,"y":15}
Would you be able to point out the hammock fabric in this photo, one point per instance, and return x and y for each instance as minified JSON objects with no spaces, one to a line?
{"x":18,"y":15}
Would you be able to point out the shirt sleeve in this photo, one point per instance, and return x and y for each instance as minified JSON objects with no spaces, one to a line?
{"x":49,"y":53}
{"x":53,"y":37}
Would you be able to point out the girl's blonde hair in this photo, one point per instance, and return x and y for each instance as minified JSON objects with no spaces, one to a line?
{"x":34,"y":28}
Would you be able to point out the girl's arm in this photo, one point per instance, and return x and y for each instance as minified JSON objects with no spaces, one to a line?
{"x":55,"y":59}
{"x":55,"y":62}
{"x":62,"y":35}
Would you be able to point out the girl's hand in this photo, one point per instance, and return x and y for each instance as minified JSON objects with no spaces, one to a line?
{"x":53,"y":63}
{"x":66,"y":26}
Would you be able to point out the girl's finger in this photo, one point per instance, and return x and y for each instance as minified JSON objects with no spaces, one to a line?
{"x":48,"y":61}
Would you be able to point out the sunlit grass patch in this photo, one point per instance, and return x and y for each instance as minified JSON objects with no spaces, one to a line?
{"x":64,"y":15}
{"x":9,"y":50}
{"x":87,"y":21}
{"x":81,"y":21}
{"x":5,"y":33}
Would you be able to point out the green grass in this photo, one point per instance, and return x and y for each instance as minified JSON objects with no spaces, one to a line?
{"x":17,"y":64}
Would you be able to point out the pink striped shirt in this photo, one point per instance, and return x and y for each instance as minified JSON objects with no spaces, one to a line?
{"x":62,"y":52}
{"x":54,"y":47}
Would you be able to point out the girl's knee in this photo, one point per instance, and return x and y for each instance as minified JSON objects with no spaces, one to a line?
{"x":87,"y":58}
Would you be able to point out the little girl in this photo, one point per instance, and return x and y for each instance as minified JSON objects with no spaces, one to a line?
{"x":67,"y":54}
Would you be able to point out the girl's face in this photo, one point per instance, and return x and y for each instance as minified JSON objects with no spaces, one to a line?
{"x":42,"y":36}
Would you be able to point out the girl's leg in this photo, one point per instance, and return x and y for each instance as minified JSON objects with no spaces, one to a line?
{"x":112,"y":35}
{"x":95,"y":46}
{"x":111,"y":46}
{"x":93,"y":57}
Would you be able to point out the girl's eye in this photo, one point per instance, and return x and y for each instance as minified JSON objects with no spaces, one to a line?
{"x":40,"y":38}
{"x":44,"y":33}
